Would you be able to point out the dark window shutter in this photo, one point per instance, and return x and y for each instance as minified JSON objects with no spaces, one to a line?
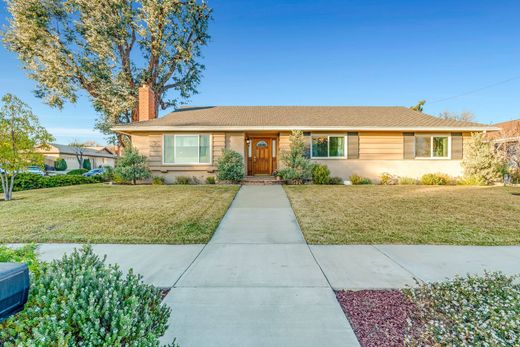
{"x":353,"y":146}
{"x":456,"y":146}
{"x":307,"y":143}
{"x":409,"y":145}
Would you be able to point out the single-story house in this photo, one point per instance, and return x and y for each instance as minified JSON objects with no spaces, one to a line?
{"x":98,"y":156}
{"x":363,"y":140}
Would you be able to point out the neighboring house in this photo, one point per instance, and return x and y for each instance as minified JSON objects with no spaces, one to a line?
{"x":349,"y":139}
{"x":509,"y":132}
{"x":98,"y":156}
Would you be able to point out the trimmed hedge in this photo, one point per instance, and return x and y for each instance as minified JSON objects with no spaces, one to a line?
{"x":27,"y":181}
{"x":87,"y":165}
{"x":81,"y":301}
{"x":60,"y":164}
{"x":77,"y":172}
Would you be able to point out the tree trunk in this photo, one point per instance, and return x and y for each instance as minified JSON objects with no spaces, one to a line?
{"x":4,"y":186}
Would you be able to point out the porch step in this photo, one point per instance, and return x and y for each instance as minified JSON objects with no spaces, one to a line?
{"x":261,"y":180}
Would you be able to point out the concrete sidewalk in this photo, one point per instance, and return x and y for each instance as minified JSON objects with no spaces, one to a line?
{"x":256,"y":283}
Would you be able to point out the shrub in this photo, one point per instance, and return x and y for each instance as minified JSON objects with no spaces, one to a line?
{"x":335,"y":180}
{"x":77,"y":172}
{"x":25,"y":254}
{"x":466,"y":311}
{"x":108,"y":174}
{"x":320,"y":174}
{"x":407,"y":181}
{"x":81,"y":301}
{"x":436,"y":179}
{"x":298,"y":168}
{"x":210,"y":180}
{"x":471,"y":181}
{"x":60,"y":164}
{"x":26,"y":181}
{"x":158,"y":181}
{"x":182,"y":180}
{"x":131,"y":166}
{"x":388,"y":179}
{"x":230,"y":166}
{"x":87,"y":165}
{"x":357,"y":180}
{"x":481,"y":159}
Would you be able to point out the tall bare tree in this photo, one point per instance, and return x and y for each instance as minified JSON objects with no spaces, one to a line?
{"x":464,"y":116}
{"x":79,"y":151}
{"x":108,"y":49}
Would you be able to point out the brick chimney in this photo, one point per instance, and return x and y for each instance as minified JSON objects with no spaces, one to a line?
{"x":147,"y":108}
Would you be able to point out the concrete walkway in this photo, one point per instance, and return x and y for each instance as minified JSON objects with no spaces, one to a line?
{"x":256,"y":283}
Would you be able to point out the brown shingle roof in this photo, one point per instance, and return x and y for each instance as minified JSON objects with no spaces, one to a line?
{"x":510,"y":129}
{"x":301,"y":117}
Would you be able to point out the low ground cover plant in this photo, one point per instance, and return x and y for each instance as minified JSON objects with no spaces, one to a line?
{"x":27,"y":181}
{"x":230,"y":166}
{"x":358,"y":180}
{"x":183,"y":180}
{"x":210,"y":180}
{"x":467,"y":311}
{"x":388,"y":179}
{"x":81,"y":301}
{"x":436,"y":179}
{"x":25,"y":254}
{"x":158,"y":181}
{"x":407,"y":181}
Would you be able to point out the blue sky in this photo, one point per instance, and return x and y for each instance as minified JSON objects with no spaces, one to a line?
{"x":308,"y":52}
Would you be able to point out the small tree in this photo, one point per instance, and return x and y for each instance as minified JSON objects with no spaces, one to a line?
{"x":87,"y":165}
{"x":60,"y":164}
{"x":79,"y":151}
{"x":419,"y":107}
{"x":20,"y":134}
{"x":298,"y":169}
{"x":132,"y":166}
{"x":230,"y":166}
{"x":465,"y":116}
{"x":481,"y":161}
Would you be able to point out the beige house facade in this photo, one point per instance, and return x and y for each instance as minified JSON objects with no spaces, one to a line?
{"x":98,"y":156}
{"x":366,"y":141}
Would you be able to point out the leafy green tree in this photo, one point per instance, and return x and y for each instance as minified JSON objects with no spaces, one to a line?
{"x":132,"y":166}
{"x":419,"y":107}
{"x":20,"y":134}
{"x":481,"y":161}
{"x":108,"y":49}
{"x":60,"y":164}
{"x":298,"y":168}
{"x":87,"y":165}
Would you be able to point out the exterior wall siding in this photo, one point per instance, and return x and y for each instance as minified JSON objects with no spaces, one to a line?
{"x":379,"y":152}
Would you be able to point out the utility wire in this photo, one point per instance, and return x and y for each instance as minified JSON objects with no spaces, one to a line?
{"x":476,"y":90}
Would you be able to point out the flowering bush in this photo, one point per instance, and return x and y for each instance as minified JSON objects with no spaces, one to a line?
{"x":466,"y":311}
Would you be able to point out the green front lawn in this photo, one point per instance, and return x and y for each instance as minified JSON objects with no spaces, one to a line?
{"x":115,"y":214}
{"x":458,"y":215}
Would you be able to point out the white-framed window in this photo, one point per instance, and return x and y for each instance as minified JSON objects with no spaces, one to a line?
{"x":190,"y":149}
{"x":436,"y":146}
{"x":328,"y":146}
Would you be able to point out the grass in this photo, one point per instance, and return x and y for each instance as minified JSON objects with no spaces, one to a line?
{"x":115,"y":214}
{"x":408,"y":214}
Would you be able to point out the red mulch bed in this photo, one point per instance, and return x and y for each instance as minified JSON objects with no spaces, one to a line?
{"x":378,"y":317}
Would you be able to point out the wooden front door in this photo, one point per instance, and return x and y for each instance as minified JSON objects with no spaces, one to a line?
{"x":262,"y":156}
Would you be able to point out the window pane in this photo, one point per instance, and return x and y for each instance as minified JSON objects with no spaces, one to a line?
{"x":337,"y":146}
{"x":274,"y":148}
{"x":204,"y":149}
{"x":320,"y":146}
{"x":187,"y":150}
{"x":169,"y":149}
{"x":422,"y":146}
{"x":440,"y":146}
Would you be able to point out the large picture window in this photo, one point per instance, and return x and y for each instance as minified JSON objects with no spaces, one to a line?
{"x":432,"y":146}
{"x":328,"y":146}
{"x":187,"y":149}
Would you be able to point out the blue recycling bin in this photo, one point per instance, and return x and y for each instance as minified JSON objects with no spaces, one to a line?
{"x":14,"y":288}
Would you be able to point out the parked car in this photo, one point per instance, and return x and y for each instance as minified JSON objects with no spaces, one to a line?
{"x":35,"y":170}
{"x":94,"y":172}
